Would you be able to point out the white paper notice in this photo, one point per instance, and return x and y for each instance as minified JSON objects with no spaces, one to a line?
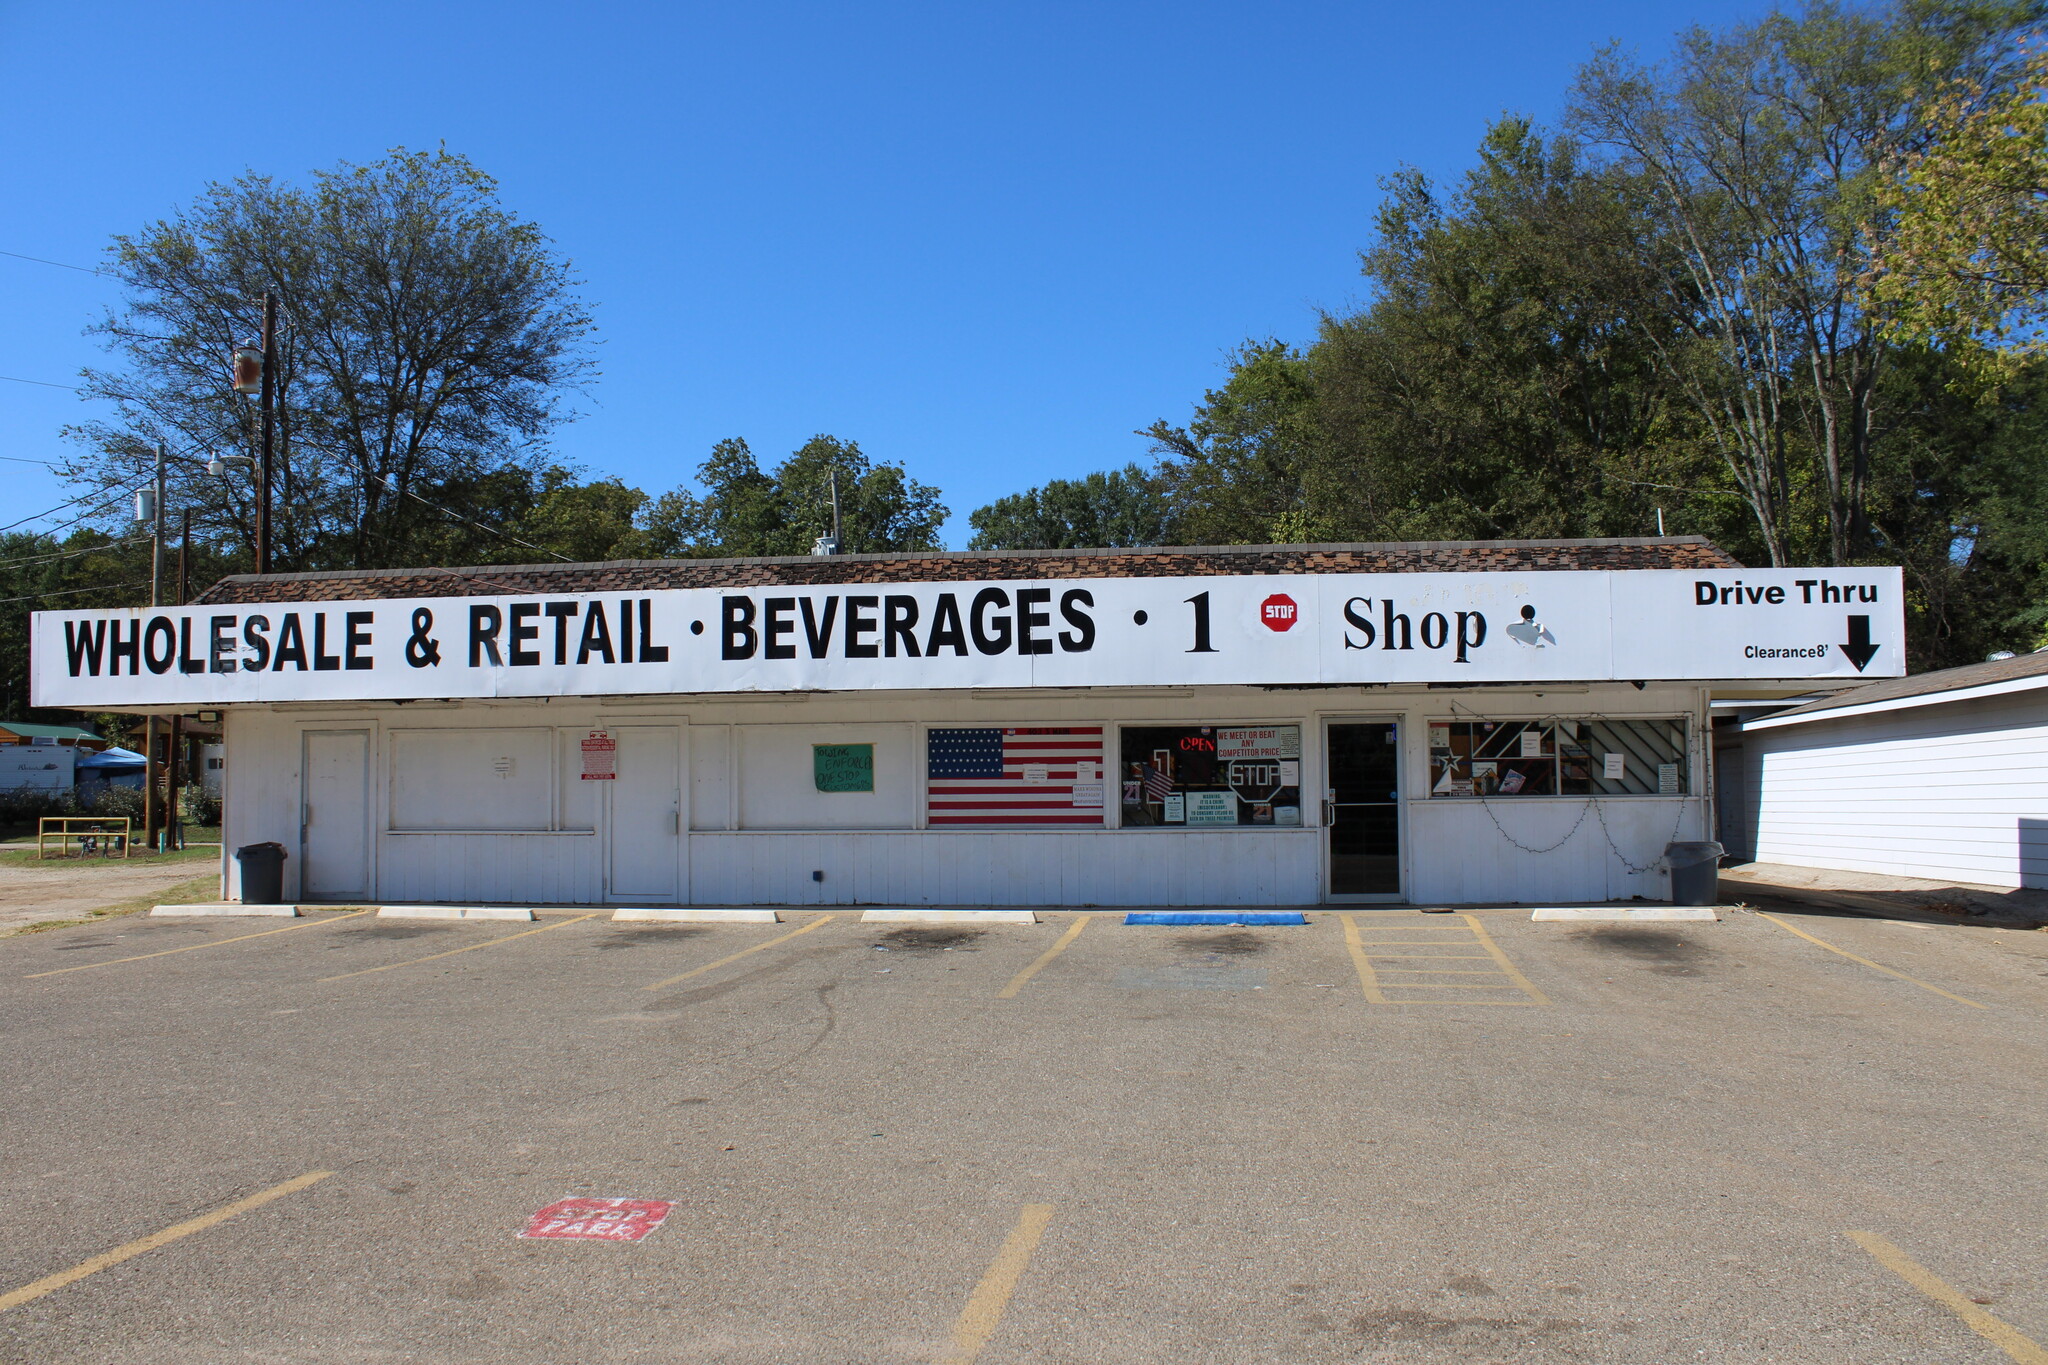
{"x":1212,"y":808}
{"x":1036,"y":774}
{"x":1532,"y":744}
{"x":1176,"y":812}
{"x":1611,"y":767}
{"x":1290,"y":772}
{"x":1087,"y":793}
{"x":1667,"y":779}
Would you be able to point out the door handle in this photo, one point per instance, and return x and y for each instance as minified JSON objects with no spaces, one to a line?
{"x":1329,"y":811}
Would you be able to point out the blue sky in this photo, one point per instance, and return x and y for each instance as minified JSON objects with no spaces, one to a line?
{"x":987,"y":241}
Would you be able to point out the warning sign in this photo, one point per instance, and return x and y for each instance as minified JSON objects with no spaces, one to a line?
{"x":607,"y":1220}
{"x":600,"y":757}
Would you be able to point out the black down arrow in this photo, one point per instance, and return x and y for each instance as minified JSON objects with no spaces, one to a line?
{"x":1859,"y":649}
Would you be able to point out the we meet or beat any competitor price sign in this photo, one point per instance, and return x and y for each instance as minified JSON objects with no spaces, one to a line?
{"x":1639,"y":625}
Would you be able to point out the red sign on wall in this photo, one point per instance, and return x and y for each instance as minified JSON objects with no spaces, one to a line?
{"x":1279,"y":612}
{"x":600,"y":757}
{"x":606,"y":1220}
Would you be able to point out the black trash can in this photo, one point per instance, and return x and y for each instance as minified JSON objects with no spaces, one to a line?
{"x":263,"y":873}
{"x":1695,"y":872}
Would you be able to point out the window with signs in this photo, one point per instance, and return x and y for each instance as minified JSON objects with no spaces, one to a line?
{"x":1588,"y":756}
{"x":1210,"y":776}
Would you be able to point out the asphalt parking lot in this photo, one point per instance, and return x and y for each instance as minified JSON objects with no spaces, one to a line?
{"x":1385,"y":1136}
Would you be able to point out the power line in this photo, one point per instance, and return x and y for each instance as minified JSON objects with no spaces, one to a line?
{"x":73,"y":592}
{"x":109,"y":502}
{"x":492,"y":529}
{"x":17,"y":459}
{"x":81,"y":269}
{"x":42,"y":382}
{"x":73,"y":554}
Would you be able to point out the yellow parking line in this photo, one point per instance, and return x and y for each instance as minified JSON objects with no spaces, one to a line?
{"x":194,"y":947}
{"x":817,"y":923}
{"x":466,"y":948}
{"x":1994,"y":1330}
{"x":1868,"y":963}
{"x":1432,"y":957}
{"x":1009,"y":992}
{"x":984,"y":1311}
{"x":1367,"y":979}
{"x":1444,"y":971}
{"x":1452,"y":985}
{"x":156,"y":1239}
{"x":1493,"y":951}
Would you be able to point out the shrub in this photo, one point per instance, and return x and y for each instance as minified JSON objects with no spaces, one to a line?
{"x":118,"y":802}
{"x":202,"y":807}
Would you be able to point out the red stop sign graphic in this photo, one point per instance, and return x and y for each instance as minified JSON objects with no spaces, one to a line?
{"x":1279,"y":612}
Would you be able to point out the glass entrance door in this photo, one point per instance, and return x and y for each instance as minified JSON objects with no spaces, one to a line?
{"x":1363,"y":811}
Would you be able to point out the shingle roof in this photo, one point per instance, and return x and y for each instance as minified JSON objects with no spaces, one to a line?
{"x":60,"y":733}
{"x":1927,"y":684}
{"x":635,"y":575}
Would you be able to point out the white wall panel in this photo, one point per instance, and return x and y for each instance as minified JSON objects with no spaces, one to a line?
{"x":1955,"y":791}
{"x":509,"y":869}
{"x":1252,"y":867}
{"x":472,"y":778}
{"x":710,"y":777}
{"x":1460,"y":857}
{"x":777,"y":783}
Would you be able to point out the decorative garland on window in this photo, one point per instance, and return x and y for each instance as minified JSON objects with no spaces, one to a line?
{"x":1592,"y":804}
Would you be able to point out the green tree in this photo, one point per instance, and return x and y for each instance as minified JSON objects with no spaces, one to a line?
{"x":743,"y":510}
{"x":585,"y":522}
{"x":1964,"y":258}
{"x":1240,"y":472}
{"x":1123,"y":507}
{"x":1757,"y":152}
{"x":428,"y":341}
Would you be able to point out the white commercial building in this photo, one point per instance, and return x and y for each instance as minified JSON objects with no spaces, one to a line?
{"x":1261,"y":726}
{"x":1941,"y":776}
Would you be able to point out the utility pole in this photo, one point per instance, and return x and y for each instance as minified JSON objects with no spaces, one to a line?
{"x":269,"y":419}
{"x":156,"y":540}
{"x":176,"y":764}
{"x":152,"y":769}
{"x":829,"y":544}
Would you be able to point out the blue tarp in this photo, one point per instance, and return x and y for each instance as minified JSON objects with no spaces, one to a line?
{"x":113,"y":761}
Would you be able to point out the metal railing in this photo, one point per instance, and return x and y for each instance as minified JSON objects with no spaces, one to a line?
{"x":99,"y":838}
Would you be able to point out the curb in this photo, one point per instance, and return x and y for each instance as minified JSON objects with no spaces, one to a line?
{"x":948,"y":917}
{"x":220,"y":908}
{"x":666,"y":914}
{"x":453,"y":912}
{"x":1605,"y":915}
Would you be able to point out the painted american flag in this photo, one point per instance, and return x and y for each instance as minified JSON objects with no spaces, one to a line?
{"x":1039,"y":775}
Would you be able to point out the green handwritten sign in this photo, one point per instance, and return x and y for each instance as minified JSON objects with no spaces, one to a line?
{"x":843,"y":767}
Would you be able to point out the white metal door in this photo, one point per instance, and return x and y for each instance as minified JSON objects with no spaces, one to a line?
{"x":334,"y":816}
{"x":646,"y":823}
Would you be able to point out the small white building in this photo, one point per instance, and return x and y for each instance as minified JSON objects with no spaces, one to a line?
{"x":1941,"y":776}
{"x":1245,"y":726}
